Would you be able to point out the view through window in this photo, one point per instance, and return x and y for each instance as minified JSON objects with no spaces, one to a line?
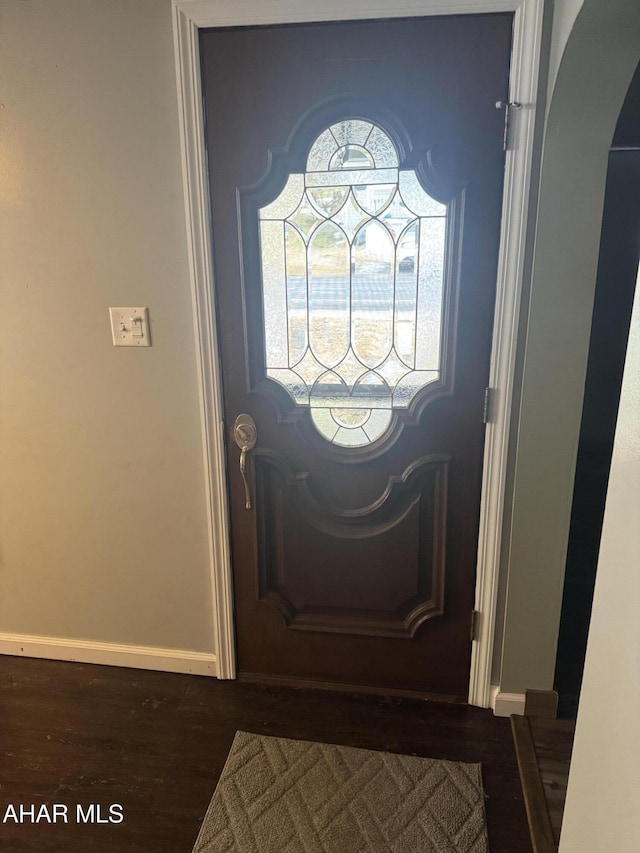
{"x":352,"y":255}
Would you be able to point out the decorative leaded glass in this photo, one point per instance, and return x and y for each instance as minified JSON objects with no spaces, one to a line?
{"x":352,"y":276}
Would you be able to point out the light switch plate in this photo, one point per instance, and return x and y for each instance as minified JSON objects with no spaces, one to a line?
{"x":130,"y":327}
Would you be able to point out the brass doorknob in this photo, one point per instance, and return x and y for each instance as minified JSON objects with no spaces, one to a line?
{"x":245,"y":434}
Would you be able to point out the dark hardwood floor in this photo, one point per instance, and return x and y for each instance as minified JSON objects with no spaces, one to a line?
{"x":553,"y":742}
{"x":156,"y":743}
{"x":544,"y":747}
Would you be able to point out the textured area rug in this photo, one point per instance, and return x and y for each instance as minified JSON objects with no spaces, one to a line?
{"x":292,"y":796}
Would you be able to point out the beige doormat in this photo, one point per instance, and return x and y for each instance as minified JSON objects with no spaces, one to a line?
{"x":293,"y":796}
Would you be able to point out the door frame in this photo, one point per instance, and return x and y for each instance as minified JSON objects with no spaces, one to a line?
{"x":188,"y":17}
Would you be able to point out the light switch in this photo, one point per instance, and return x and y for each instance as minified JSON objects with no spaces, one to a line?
{"x":130,"y":327}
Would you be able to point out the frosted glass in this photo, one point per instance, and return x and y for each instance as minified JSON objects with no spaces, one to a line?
{"x":350,"y":177}
{"x":292,"y":383}
{"x":351,"y":437}
{"x":377,"y":423}
{"x":430,"y":285}
{"x":409,"y":385}
{"x":351,"y":131}
{"x":274,"y":293}
{"x":287,"y":201}
{"x":383,"y":150}
{"x":321,"y":152}
{"x":324,"y":423}
{"x":296,"y":311}
{"x":335,"y":395}
{"x":416,"y":198}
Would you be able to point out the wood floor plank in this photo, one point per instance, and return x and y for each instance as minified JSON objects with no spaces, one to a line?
{"x":542,"y":838}
{"x":553,"y":742}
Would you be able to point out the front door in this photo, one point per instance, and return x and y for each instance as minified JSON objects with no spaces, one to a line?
{"x":356,"y":182}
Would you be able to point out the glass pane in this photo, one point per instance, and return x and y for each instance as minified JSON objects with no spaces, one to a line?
{"x":306,"y":218}
{"x":342,"y":417}
{"x":351,"y":177}
{"x":350,"y":217}
{"x":321,"y":152}
{"x":351,"y":437}
{"x":324,"y":423}
{"x":377,"y":423}
{"x":351,"y":368}
{"x":372,"y":293}
{"x":329,"y":391}
{"x":352,"y":278}
{"x":274,"y":293}
{"x":287,"y":201}
{"x":396,"y":216}
{"x":296,"y":309}
{"x":383,"y":150}
{"x":351,"y":157}
{"x":351,"y":418}
{"x":335,"y":426}
{"x":328,"y":201}
{"x":371,"y":390}
{"x":352,"y":131}
{"x":308,"y":368}
{"x":404,"y":333}
{"x":374,"y":197}
{"x":416,"y":198}
{"x":393,"y":369}
{"x":409,"y":385}
{"x":291,"y":382}
{"x":430,"y":281}
{"x":329,"y":314}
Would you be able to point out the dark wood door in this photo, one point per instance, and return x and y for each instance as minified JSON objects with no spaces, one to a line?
{"x":356,"y":181}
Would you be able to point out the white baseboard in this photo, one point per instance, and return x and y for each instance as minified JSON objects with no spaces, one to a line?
{"x":111,"y":654}
{"x":505,"y":704}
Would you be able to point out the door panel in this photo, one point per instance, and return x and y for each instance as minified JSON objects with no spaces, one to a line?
{"x":356,"y":563}
{"x":304,"y":545}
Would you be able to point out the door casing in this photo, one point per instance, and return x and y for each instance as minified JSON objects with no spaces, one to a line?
{"x":188,"y":17}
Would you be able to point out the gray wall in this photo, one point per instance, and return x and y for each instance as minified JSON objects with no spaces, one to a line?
{"x":598,"y":62}
{"x":102,"y":516}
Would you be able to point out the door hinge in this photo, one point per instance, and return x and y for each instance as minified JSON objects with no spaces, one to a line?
{"x":507,"y":106}
{"x":475,"y":623}
{"x":487,"y":409}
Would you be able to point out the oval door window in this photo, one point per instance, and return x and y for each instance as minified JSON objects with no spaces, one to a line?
{"x":352,"y":255}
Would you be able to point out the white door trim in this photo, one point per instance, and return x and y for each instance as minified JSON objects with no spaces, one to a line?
{"x":188,"y":17}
